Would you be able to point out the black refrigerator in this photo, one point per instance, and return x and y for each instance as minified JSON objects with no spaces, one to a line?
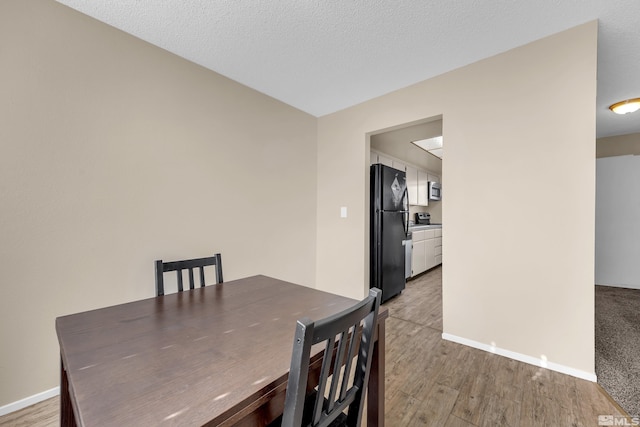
{"x":389,"y":228}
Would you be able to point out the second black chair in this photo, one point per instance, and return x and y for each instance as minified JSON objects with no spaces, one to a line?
{"x":190,"y":265}
{"x":346,"y":334}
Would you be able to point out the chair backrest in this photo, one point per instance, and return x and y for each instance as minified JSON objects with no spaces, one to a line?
{"x":345,"y":333}
{"x":189,"y":264}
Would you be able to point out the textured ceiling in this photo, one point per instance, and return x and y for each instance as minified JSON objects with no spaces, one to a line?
{"x":323,"y":56}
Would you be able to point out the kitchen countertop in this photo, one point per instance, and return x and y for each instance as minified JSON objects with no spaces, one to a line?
{"x":424,"y":227}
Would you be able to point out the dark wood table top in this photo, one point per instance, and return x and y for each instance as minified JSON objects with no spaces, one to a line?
{"x":189,"y":358}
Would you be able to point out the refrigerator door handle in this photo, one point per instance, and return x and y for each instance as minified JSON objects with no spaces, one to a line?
{"x":405,"y":214}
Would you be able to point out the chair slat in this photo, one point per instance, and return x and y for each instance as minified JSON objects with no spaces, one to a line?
{"x":353,"y":339}
{"x":191,"y":284}
{"x":337,"y":364}
{"x":324,"y":376}
{"x":179,"y":273}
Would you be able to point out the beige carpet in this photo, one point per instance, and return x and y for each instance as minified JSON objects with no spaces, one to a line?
{"x":618,"y":345}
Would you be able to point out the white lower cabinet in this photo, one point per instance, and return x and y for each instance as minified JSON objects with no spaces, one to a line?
{"x":418,"y":258}
{"x":430,"y":253}
{"x":427,"y":250}
{"x":438,"y":246}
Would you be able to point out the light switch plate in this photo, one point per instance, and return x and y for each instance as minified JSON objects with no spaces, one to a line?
{"x":343,"y":212}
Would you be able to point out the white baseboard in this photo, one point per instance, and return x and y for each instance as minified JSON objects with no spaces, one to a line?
{"x":522,"y":357}
{"x":28,"y":401}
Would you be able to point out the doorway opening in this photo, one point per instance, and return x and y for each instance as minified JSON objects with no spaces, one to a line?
{"x":617,"y":290}
{"x":394,"y":147}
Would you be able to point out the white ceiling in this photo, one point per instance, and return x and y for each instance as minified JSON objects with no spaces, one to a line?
{"x":323,"y":56}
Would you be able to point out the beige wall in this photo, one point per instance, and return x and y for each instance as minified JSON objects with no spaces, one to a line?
{"x":620,"y":145}
{"x":435,"y":210}
{"x":115,"y":153}
{"x":518,"y":264}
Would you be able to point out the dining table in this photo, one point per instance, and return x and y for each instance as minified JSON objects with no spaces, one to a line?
{"x":212,"y":356}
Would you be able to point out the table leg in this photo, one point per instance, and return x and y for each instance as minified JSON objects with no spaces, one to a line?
{"x":375,"y":392}
{"x":67,"y":417}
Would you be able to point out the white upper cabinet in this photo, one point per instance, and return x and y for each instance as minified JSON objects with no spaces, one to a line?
{"x":399,"y":165}
{"x":412,"y":185}
{"x":423,"y":189}
{"x":385,"y":160}
{"x":374,"y":158}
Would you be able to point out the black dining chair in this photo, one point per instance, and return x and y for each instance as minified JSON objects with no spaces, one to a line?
{"x":345,"y":335}
{"x":190,"y":265}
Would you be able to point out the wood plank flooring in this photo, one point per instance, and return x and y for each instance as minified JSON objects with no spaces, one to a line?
{"x":43,"y":414}
{"x":432,"y":382}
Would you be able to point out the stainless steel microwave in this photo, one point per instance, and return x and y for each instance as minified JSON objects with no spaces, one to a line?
{"x":435,"y":191}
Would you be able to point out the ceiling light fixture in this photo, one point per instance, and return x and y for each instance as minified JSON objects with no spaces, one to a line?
{"x":626,"y":106}
{"x":431,"y":145}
